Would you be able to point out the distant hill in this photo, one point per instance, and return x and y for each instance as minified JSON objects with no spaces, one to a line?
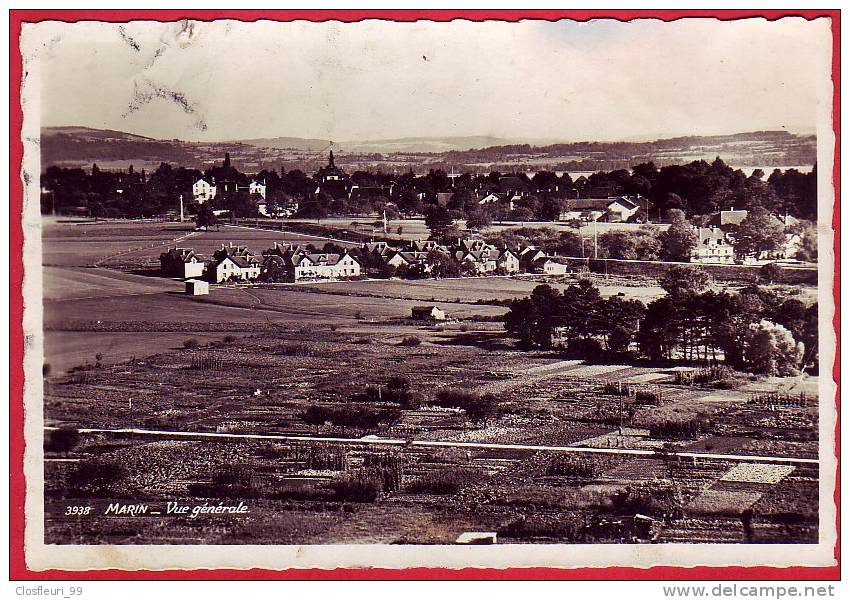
{"x":287,"y":143}
{"x":389,"y":146}
{"x":425,"y":144}
{"x":81,"y":146}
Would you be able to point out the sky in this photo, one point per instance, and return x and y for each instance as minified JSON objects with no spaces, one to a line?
{"x":532,"y":80}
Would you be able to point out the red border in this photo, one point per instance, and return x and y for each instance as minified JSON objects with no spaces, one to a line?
{"x":18,"y":568}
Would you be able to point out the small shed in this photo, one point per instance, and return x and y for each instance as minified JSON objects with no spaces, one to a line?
{"x":428,"y":313}
{"x":196,"y":287}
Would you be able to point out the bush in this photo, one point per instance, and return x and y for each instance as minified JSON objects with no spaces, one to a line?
{"x":295,"y":350}
{"x":357,"y":487}
{"x":229,"y":339}
{"x":477,"y":408}
{"x":771,"y":273}
{"x":444,"y":481}
{"x":579,"y":467}
{"x":648,"y":397}
{"x":411,"y":340}
{"x":228,"y":482}
{"x":701,"y":376}
{"x":326,"y":458}
{"x":63,"y":439}
{"x":389,"y":466}
{"x":398,"y":391}
{"x":191,"y":344}
{"x":687,"y":429}
{"x":585,"y":348}
{"x":454,"y":398}
{"x":567,"y":528}
{"x":616,"y":388}
{"x":96,"y":474}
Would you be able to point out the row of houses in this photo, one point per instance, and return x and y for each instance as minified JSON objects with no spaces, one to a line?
{"x":474,"y":255}
{"x":292,"y":262}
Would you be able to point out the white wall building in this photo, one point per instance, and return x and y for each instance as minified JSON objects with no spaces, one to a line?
{"x":203,"y":191}
{"x":326,"y":266}
{"x":712,"y":247}
{"x":256,"y":187}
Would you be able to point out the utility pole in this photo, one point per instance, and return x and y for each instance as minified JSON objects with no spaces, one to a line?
{"x":595,"y":239}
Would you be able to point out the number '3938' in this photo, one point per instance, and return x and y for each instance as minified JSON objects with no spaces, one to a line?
{"x":78,"y":510}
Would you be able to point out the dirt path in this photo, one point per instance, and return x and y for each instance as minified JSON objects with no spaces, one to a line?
{"x":377,"y":441}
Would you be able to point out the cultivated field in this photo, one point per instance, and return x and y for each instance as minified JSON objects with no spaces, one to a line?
{"x":473,"y":289}
{"x":262,"y":384}
{"x":571,"y":454}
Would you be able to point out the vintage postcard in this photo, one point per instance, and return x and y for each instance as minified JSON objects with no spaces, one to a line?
{"x":488,"y":292}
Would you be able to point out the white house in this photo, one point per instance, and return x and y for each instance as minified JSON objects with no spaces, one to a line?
{"x":232,"y":268}
{"x":508,"y":261}
{"x":712,"y":247}
{"x":621,"y":209}
{"x":480,"y":260}
{"x":182,"y":263}
{"x":325,"y":266}
{"x":615,"y":209}
{"x":255,"y":187}
{"x":203,"y":191}
{"x":553,"y":267}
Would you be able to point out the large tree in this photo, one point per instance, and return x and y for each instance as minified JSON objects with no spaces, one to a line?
{"x":205,"y":217}
{"x":439,"y":222}
{"x":678,"y":241}
{"x":772,"y":350}
{"x":758,"y":232}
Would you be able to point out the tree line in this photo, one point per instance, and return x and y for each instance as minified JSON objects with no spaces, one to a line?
{"x":696,"y":188}
{"x":757,"y":330}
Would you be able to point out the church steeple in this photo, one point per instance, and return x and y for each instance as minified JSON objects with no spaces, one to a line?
{"x":331,"y":160}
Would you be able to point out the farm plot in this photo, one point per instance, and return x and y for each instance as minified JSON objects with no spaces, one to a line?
{"x":758,"y":473}
{"x":83,"y":243}
{"x":76,"y":283}
{"x":207,"y":242}
{"x":469,"y":289}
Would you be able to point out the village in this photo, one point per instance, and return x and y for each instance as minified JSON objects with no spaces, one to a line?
{"x":726,"y":237}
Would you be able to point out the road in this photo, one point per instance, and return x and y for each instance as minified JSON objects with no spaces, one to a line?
{"x":784,"y":460}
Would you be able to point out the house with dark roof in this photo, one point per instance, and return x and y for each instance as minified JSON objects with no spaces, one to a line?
{"x":330,"y":172}
{"x":235,"y":268}
{"x":478,"y":261}
{"x":181,"y":262}
{"x":233,"y":263}
{"x":325,"y":266}
{"x":513,"y":185}
{"x":712,"y":247}
{"x":615,"y":209}
{"x":529,"y":256}
{"x":422,"y":246}
{"x":507,"y":261}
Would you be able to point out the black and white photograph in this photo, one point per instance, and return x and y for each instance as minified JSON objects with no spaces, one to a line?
{"x":379,"y":293}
